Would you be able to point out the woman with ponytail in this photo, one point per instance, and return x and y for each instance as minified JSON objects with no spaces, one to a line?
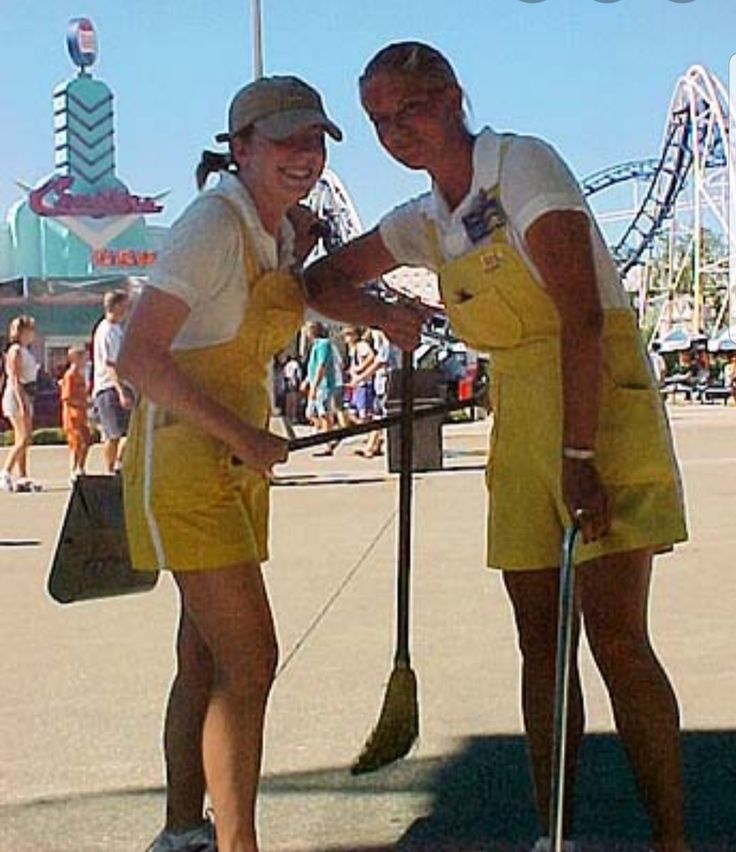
{"x":224,"y":297}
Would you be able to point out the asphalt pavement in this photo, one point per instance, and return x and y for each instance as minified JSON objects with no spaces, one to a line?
{"x":84,"y":686}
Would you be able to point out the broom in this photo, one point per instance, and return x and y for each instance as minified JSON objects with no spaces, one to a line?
{"x":398,"y":724}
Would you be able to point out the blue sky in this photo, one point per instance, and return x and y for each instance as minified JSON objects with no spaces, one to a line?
{"x":593,"y":77}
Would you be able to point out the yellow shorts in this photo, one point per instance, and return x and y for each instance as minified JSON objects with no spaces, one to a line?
{"x":634,"y":457}
{"x":187,"y":506}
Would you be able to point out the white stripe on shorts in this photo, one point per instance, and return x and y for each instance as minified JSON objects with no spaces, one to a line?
{"x":153,"y":529}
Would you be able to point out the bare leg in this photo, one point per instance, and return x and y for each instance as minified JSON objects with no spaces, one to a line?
{"x":615,"y":594}
{"x":110,"y":453}
{"x":185,"y":714}
{"x":230,"y":610}
{"x":17,"y":457}
{"x":120,"y":453}
{"x":325,"y":424}
{"x":374,"y":443}
{"x":534,"y":596}
{"x":82,"y":457}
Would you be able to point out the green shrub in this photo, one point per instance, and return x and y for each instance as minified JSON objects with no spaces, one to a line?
{"x":49,"y":436}
{"x":44,"y":437}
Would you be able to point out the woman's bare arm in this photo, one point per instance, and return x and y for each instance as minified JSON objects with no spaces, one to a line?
{"x":560,"y":247}
{"x":335,"y":288}
{"x":146,"y":361}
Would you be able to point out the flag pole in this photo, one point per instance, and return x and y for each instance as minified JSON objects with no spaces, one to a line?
{"x":257,"y":39}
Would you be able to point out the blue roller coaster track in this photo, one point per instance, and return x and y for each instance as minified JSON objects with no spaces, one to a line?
{"x":696,"y":133}
{"x":696,"y":128}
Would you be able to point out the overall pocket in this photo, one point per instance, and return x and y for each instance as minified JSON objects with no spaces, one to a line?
{"x":481,"y":317}
{"x":633,"y":443}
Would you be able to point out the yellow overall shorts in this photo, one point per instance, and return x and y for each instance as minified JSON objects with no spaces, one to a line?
{"x":496,"y":306}
{"x":188,"y":506}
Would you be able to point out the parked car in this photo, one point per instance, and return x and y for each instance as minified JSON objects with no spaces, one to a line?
{"x":46,"y":404}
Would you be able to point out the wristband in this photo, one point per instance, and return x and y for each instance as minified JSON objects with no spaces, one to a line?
{"x":577,"y":454}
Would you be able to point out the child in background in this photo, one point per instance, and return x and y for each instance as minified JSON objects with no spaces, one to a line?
{"x":74,"y":403}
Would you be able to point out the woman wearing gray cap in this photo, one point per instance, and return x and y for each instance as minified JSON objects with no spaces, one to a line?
{"x":221,"y":302}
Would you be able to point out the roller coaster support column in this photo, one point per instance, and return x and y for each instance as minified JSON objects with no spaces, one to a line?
{"x":698,"y":251}
{"x":732,"y":220}
{"x":698,"y":176}
{"x":257,"y":38}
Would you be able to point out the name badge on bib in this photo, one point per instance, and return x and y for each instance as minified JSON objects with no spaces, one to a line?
{"x":485,"y":216}
{"x":490,"y":260}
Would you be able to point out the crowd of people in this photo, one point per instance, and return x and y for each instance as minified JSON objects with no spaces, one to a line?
{"x":89,"y":389}
{"x":696,"y":371}
{"x":343,"y":379}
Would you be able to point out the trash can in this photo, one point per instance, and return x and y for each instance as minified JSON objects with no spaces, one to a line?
{"x":430,"y":388}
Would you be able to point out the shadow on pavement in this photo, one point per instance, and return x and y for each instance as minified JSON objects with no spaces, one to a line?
{"x":482,"y":799}
{"x":484,"y":794}
{"x":476,"y":800}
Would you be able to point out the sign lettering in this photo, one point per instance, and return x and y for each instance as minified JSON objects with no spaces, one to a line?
{"x":123,"y":257}
{"x":54,"y":199}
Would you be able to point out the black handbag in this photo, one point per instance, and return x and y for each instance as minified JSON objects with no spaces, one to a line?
{"x":92,"y":559}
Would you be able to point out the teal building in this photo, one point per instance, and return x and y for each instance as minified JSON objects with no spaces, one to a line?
{"x":79,"y":231}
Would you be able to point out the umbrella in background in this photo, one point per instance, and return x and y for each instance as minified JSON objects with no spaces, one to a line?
{"x":724,"y":341}
{"x":680,"y":340}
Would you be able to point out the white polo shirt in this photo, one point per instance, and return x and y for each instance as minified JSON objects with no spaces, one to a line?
{"x":106,"y":343}
{"x":534,"y":181}
{"x":202,"y":262}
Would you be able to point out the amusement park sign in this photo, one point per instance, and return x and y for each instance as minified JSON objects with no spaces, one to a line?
{"x":109,"y":202}
{"x":96,"y":219}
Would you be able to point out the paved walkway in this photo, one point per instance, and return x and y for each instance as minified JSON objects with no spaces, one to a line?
{"x":84,"y":686}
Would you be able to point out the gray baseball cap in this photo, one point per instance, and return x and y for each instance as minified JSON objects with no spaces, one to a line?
{"x":278,"y":107}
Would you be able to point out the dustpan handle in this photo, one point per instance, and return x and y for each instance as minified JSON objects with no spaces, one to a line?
{"x":405,"y":509}
{"x":565,"y":626}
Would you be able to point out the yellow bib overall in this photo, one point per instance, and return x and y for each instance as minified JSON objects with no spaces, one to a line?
{"x":496,"y":306}
{"x":187,"y":506}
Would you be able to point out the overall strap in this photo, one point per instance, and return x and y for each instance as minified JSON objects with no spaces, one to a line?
{"x":431,"y":227}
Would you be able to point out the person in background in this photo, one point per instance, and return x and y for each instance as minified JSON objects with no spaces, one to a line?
{"x":729,"y":373}
{"x":580,"y":433}
{"x":292,"y":392}
{"x":379,"y":372}
{"x":279,"y":384}
{"x":113,"y":398}
{"x":74,"y":403}
{"x":360,"y":365}
{"x":21,"y":372}
{"x":320,"y":382}
{"x":659,"y":365}
{"x":341,"y":411}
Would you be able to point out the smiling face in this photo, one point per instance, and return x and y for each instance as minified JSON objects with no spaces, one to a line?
{"x":416,"y":120}
{"x":279,"y":173}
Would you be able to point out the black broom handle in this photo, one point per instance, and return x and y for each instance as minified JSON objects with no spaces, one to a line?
{"x":405,"y":509}
{"x":419,"y":413}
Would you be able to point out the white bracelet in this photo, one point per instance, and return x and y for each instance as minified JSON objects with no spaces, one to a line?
{"x":577,"y":454}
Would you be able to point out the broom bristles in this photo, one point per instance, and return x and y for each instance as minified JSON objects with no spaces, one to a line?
{"x":398,"y":725}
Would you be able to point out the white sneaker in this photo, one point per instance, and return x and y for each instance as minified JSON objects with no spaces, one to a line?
{"x":544,"y":844}
{"x":6,"y":481}
{"x":200,"y":839}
